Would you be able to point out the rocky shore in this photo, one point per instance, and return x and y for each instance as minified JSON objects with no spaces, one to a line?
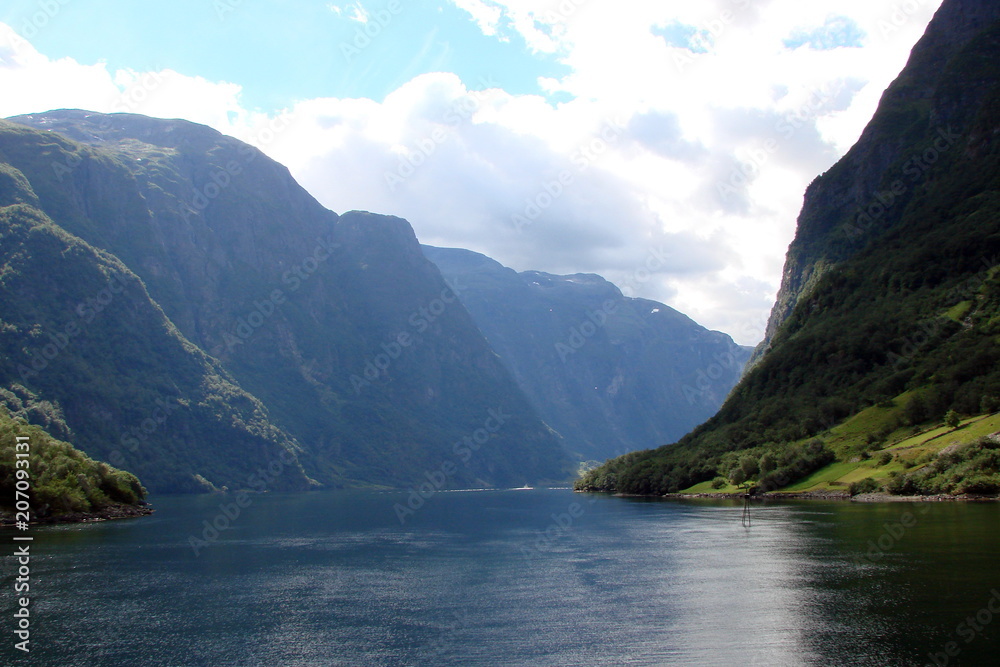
{"x":835,"y":495}
{"x":105,"y":514}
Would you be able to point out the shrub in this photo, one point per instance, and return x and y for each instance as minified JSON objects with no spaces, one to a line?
{"x":981,"y":484}
{"x":867,"y":485}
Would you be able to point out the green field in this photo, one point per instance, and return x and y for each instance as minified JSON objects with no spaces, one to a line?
{"x":860,"y":458}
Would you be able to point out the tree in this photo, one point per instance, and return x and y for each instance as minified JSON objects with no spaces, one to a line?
{"x":916,"y":410}
{"x":748,"y":465}
{"x":952,"y":419}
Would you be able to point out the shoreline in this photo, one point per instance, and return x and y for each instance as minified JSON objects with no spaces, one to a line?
{"x":110,"y":513}
{"x":816,"y":495}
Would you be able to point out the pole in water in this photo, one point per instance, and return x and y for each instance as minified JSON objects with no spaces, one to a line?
{"x":746,"y":510}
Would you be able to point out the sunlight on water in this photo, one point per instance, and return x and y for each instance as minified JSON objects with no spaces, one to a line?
{"x":526,"y":577}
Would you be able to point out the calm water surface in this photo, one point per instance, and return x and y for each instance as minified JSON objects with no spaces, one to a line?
{"x":541,"y":577}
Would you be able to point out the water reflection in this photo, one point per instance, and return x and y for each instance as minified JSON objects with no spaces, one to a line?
{"x":522,"y":578}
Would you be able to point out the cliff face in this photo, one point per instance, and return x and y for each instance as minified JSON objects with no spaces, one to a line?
{"x":88,"y":355}
{"x":609,"y":373}
{"x":890,"y":303}
{"x":868,"y":190}
{"x":352,"y":349}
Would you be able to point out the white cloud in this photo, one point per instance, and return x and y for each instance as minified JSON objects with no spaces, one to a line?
{"x":677,"y":173}
{"x":354,"y":11}
{"x":43,"y":84}
{"x":486,"y":14}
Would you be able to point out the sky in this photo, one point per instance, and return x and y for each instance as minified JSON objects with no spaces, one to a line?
{"x":663,"y":144}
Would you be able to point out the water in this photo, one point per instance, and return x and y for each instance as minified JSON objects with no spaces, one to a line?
{"x":542,"y":577}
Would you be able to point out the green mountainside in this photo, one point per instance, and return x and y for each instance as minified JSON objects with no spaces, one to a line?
{"x":87,"y":354}
{"x":60,"y":479}
{"x":887,"y":325}
{"x":175,"y":304}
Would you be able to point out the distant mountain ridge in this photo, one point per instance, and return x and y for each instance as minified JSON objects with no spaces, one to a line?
{"x":609,"y":373}
{"x":219,"y":288}
{"x":176,"y":304}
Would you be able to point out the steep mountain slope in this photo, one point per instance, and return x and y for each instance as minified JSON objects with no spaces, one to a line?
{"x":89,"y":356}
{"x":891,"y":294}
{"x":609,"y":373}
{"x":360,"y":357}
{"x":914,"y":131}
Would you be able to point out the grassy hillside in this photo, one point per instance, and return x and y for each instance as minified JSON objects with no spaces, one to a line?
{"x":876,"y":451}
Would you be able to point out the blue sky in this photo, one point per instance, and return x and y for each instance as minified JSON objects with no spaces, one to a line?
{"x":663,"y":144}
{"x":258,"y":44}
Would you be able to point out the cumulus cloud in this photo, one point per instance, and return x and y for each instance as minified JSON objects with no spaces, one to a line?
{"x":43,"y":84}
{"x":675,"y":168}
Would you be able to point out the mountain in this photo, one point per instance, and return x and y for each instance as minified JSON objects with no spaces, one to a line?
{"x":210,"y":319}
{"x":889,"y":312}
{"x":89,"y":356}
{"x":61,"y":482}
{"x":868,"y":190}
{"x":609,"y":373}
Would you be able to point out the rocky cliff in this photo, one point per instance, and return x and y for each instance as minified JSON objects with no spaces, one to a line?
{"x":889,"y":313}
{"x":868,"y":190}
{"x":329,"y":338}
